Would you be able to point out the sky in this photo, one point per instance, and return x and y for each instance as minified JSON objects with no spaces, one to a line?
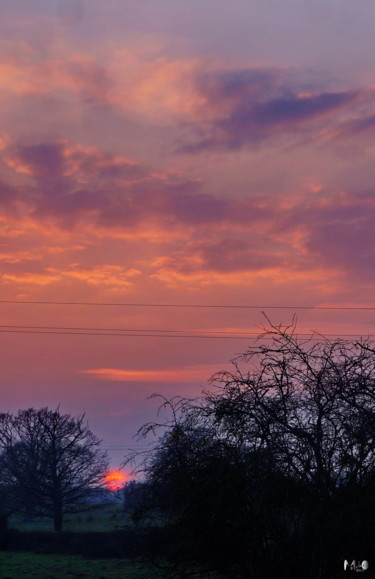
{"x":172,"y":153}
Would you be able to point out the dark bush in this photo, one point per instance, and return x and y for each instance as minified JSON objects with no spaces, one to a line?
{"x":271,"y":473}
{"x":117,"y":544}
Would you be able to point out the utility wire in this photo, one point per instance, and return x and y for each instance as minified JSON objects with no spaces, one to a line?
{"x":157,"y":333}
{"x":126,"y":331}
{"x":131,"y":330}
{"x":125,"y":448}
{"x":144,"y":305}
{"x":123,"y":335}
{"x":163,"y":330}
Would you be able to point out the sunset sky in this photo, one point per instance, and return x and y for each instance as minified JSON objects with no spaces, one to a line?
{"x":172,"y":152}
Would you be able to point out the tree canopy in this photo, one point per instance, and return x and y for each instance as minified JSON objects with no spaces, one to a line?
{"x":275,"y":463}
{"x":49,"y":462}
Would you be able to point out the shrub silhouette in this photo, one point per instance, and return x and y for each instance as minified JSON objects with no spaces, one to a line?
{"x":271,"y":472}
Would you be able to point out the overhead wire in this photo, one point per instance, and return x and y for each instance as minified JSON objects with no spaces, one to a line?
{"x":123,"y":335}
{"x":159,"y":333}
{"x":157,"y":305}
{"x":129,"y":330}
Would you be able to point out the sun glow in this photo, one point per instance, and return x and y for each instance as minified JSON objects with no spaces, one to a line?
{"x":115,"y":480}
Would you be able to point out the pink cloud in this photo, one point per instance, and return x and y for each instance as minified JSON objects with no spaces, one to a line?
{"x":216,"y":107}
{"x":177,"y":230}
{"x":183,"y":374}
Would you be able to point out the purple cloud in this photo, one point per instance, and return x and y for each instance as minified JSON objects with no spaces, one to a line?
{"x":291,"y":109}
{"x":362,"y":124}
{"x":342,"y":233}
{"x":44,"y":159}
{"x":9,"y":196}
{"x":231,"y":255}
{"x":116,"y":192}
{"x":237,"y":84}
{"x":253,"y":105}
{"x":70,"y":183}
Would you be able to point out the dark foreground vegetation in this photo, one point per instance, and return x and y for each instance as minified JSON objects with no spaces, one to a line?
{"x":119,"y":550}
{"x":270,"y":474}
{"x":31,"y":566}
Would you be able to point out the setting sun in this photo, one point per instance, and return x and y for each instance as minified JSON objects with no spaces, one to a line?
{"x":115,"y":480}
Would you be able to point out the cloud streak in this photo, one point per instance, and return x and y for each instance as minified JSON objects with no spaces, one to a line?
{"x":252,"y":106}
{"x":174,"y":375}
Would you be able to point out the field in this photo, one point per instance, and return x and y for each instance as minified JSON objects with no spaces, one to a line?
{"x":107,"y":517}
{"x":32,"y":566}
{"x":96,"y":519}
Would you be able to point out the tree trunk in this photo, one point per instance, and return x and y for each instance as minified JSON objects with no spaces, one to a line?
{"x":57,"y":518}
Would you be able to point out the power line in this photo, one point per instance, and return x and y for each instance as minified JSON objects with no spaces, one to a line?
{"x":130,"y":330}
{"x":122,"y":449}
{"x":192,"y":334}
{"x":163,"y":330}
{"x":123,"y":335}
{"x":126,"y":448}
{"x":225,"y":306}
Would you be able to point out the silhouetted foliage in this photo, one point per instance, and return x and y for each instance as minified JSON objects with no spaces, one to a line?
{"x":271,"y":472}
{"x":5,"y":512}
{"x":134,"y":499}
{"x":49,"y":462}
{"x":98,"y":545}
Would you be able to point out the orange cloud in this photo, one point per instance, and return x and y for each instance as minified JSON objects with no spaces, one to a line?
{"x":103,"y":275}
{"x":22,"y":73}
{"x":159,"y":86}
{"x":15,"y":78}
{"x":85,"y":162}
{"x":115,"y":276}
{"x":137,"y":80}
{"x":169,"y":231}
{"x":19,"y":166}
{"x":185,"y":374}
{"x":39,"y":279}
{"x":149,"y":231}
{"x":18,"y":256}
{"x":206,"y":278}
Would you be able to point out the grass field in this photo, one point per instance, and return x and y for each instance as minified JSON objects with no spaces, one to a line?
{"x":30,"y":566}
{"x":108,"y":517}
{"x":96,"y":519}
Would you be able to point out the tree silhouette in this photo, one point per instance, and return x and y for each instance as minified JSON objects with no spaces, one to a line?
{"x":50,"y":462}
{"x":310,"y":403}
{"x":272,"y":470}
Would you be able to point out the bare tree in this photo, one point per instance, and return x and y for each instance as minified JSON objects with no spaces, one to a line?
{"x":50,"y":461}
{"x":275,"y":463}
{"x":310,"y":403}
